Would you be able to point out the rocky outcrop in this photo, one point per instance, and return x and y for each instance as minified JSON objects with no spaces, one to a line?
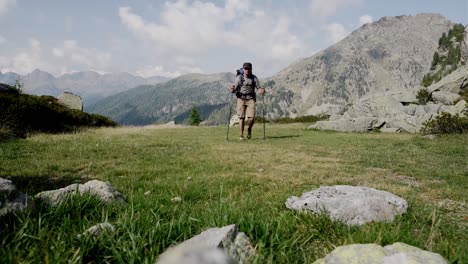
{"x":71,"y":100}
{"x":102,"y":190}
{"x":12,"y":200}
{"x":349,"y":204}
{"x":215,"y":245}
{"x":397,"y":253}
{"x":399,"y":111}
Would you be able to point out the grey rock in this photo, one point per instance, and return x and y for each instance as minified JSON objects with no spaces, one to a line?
{"x":398,"y":253}
{"x":12,"y":200}
{"x":102,"y":190}
{"x":360,"y":124}
{"x":71,"y":100}
{"x":349,"y":204}
{"x":446,"y":98}
{"x":235,"y":247}
{"x":234,"y":120}
{"x":391,"y":130}
{"x":459,"y":108}
{"x":452,"y":82}
{"x":98,"y":229}
{"x":195,"y":256}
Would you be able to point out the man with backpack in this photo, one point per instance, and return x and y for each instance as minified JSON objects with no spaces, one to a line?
{"x":244,"y":86}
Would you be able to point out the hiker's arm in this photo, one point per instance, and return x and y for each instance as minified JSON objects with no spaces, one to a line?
{"x":234,"y":85}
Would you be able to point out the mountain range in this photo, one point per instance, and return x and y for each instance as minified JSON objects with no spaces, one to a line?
{"x":170,"y":101}
{"x":90,"y":85}
{"x":390,"y":54}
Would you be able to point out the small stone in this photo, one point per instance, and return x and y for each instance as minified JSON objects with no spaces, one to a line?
{"x":176,"y":199}
{"x":12,"y":200}
{"x":261,"y":170}
{"x":96,"y":230}
{"x":102,"y":190}
{"x":189,"y":178}
{"x":147,"y":193}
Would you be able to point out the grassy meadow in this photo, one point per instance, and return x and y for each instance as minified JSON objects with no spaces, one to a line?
{"x":230,"y":182}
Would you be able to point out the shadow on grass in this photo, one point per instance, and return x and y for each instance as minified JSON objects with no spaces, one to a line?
{"x":281,"y":137}
{"x":35,"y":184}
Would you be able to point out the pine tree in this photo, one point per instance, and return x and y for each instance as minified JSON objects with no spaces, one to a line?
{"x":195,"y":118}
{"x":435,"y":60}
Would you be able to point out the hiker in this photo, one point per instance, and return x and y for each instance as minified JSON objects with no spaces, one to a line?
{"x":244,"y":86}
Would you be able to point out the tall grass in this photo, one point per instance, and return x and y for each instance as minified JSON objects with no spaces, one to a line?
{"x":224,"y":182}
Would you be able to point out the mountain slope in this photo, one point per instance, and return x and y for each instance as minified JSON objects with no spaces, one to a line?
{"x":168,"y":101}
{"x":390,"y":54}
{"x":91,"y":86}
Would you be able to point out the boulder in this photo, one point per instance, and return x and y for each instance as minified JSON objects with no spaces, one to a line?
{"x":454,"y":109}
{"x":391,"y":130}
{"x":102,"y":190}
{"x":452,"y":82}
{"x":234,"y":120}
{"x":349,"y":204}
{"x":360,"y":124}
{"x":12,"y":200}
{"x":398,"y":253}
{"x":445,"y":98}
{"x":215,"y":245}
{"x":71,"y":100}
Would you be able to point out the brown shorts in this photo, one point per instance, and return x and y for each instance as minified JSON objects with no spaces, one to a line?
{"x":246,"y":108}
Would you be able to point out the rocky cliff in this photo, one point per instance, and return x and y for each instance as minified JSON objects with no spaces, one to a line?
{"x":390,"y":54}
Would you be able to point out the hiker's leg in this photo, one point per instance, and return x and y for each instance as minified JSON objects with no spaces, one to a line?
{"x":241,"y":113}
{"x":250,"y":113}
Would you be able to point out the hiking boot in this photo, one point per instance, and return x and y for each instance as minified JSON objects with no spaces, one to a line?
{"x":241,"y":138}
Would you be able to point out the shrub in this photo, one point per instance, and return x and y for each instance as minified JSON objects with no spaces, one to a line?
{"x":446,"y":123}
{"x":21,"y":114}
{"x":424,"y":96}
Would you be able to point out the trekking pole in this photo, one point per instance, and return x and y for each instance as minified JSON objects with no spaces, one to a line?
{"x":263,"y":110}
{"x":229,"y":118}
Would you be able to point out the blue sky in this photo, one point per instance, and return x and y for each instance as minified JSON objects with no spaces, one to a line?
{"x":170,"y":38}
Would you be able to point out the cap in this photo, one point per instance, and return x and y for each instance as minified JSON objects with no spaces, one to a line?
{"x":247,"y":65}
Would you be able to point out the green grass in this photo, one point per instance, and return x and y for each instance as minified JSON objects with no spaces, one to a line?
{"x":224,"y":182}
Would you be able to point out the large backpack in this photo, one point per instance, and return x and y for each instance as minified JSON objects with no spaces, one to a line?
{"x":241,"y":73}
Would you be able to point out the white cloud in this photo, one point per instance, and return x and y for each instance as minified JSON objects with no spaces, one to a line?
{"x":335,"y":32}
{"x":365,"y":19}
{"x":199,"y":28}
{"x":69,"y":57}
{"x":25,"y":61}
{"x":5,"y":5}
{"x":77,"y":58}
{"x":150,"y":70}
{"x":326,"y":8}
